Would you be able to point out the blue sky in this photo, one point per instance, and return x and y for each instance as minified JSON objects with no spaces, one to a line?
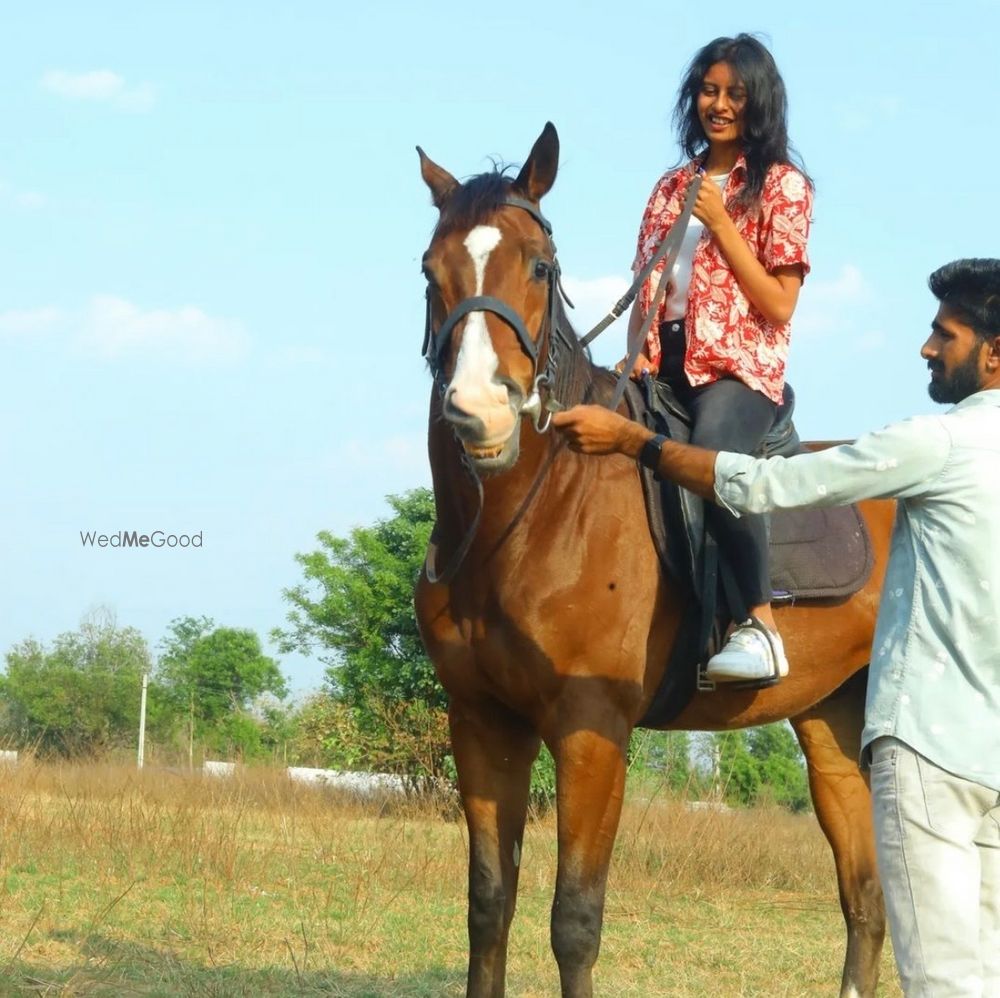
{"x":212,"y":217}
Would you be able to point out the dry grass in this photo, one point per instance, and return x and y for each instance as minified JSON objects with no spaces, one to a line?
{"x":120,"y":883}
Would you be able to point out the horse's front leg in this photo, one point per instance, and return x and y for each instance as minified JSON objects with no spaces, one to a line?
{"x":590,"y":753}
{"x":830,"y":736}
{"x":493,"y":754}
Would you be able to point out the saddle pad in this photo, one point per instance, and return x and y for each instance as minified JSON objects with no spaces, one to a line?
{"x":819,"y":553}
{"x":814,"y":553}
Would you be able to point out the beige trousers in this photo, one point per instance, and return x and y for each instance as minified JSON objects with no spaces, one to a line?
{"x":938,"y":841}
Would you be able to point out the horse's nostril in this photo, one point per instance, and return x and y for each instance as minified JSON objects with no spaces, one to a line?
{"x":451,"y":408}
{"x":464,"y":402}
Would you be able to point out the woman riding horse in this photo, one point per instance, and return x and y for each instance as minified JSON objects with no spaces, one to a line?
{"x":722,"y":336}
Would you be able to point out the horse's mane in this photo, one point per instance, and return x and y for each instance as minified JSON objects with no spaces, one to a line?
{"x":473,"y":202}
{"x":583,"y":381}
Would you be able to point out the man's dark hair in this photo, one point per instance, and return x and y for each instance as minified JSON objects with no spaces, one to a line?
{"x":765,"y":138}
{"x":971,"y":288}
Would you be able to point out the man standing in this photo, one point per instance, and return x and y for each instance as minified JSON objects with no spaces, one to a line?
{"x":932,"y":720}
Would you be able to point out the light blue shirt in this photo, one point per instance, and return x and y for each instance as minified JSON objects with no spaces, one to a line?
{"x":935,"y":671}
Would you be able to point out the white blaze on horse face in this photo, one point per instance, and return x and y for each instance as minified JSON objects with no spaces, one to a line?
{"x":480,"y":242}
{"x":472,"y":388}
{"x":477,"y":360}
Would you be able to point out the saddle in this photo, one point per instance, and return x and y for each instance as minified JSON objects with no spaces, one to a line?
{"x":815,"y":554}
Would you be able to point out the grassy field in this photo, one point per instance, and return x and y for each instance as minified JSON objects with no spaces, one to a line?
{"x":119,"y":883}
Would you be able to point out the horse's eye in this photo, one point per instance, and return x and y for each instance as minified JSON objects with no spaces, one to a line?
{"x":541,"y":270}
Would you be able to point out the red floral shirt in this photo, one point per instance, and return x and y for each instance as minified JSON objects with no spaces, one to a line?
{"x":726,"y":335}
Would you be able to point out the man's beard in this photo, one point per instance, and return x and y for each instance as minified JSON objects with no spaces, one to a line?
{"x":961,"y":383}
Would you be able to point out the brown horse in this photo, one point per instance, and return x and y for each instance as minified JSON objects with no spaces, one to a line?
{"x":551,"y":619}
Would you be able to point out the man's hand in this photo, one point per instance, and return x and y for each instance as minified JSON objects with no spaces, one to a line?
{"x":592,"y":429}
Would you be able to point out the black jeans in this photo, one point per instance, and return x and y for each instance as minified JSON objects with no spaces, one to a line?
{"x":726,"y":415}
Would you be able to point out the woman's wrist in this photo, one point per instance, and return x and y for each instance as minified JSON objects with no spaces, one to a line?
{"x":724,"y":228}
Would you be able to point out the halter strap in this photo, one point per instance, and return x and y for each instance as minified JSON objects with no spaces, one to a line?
{"x":534,"y":211}
{"x":483,"y":303}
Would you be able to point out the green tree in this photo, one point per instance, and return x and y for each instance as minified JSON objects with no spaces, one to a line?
{"x":666,"y":755}
{"x":81,"y":697}
{"x":213,"y":676}
{"x":355,"y":612}
{"x":409,"y":738}
{"x":355,"y":608}
{"x":737,"y":771}
{"x":757,"y":764}
{"x":780,"y":765}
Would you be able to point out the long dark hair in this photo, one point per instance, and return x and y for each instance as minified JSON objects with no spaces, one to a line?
{"x":765,"y":118}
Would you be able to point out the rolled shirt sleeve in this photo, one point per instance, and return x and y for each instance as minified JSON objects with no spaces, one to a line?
{"x":899,"y":462}
{"x":787,"y":216}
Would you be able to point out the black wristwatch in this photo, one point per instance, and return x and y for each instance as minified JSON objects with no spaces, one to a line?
{"x":649,"y":456}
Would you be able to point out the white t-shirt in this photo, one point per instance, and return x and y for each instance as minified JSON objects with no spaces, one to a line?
{"x":680,"y":278}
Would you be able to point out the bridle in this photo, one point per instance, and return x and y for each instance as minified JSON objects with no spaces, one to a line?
{"x":436,"y":343}
{"x":435,"y":347}
{"x":561,"y":342}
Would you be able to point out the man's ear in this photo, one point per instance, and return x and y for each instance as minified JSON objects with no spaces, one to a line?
{"x":993,"y":354}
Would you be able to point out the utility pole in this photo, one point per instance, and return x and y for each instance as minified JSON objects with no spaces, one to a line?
{"x":142,"y":720}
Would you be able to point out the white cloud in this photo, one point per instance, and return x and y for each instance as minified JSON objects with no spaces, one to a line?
{"x":115,"y":328}
{"x":827,"y":306}
{"x":99,"y":85}
{"x":27,"y":200}
{"x":836,"y":304}
{"x":30,"y":321}
{"x":593,"y":299}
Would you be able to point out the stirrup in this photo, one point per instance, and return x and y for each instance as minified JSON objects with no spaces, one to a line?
{"x":753,"y":657}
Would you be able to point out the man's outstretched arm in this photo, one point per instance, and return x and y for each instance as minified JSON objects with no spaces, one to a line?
{"x":592,"y":429}
{"x":898,"y":462}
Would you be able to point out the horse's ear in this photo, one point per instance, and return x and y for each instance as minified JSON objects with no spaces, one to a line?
{"x":539,"y":172}
{"x":439,"y":180}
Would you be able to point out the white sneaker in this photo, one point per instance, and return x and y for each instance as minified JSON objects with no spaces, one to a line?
{"x":752,"y":652}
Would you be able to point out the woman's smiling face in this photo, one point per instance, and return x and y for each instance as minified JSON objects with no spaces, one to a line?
{"x":721,"y":103}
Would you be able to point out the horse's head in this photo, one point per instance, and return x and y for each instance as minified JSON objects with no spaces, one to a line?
{"x":492,"y":291}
